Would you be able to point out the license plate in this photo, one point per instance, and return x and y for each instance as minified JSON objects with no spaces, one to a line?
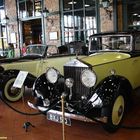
{"x":58,"y":118}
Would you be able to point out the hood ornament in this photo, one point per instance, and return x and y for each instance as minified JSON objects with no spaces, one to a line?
{"x":76,"y":52}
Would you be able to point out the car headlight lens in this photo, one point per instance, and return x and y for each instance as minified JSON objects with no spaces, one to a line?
{"x":52,"y":75}
{"x":69,"y":82}
{"x":88,"y":78}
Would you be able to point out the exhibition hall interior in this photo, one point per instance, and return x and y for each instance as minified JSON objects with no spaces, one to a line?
{"x":69,"y":69}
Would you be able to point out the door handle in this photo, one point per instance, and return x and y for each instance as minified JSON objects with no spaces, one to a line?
{"x":136,"y":60}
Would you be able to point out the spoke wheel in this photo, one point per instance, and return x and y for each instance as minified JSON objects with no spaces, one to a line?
{"x":12,"y":93}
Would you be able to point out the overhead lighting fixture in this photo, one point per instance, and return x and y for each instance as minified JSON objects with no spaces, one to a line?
{"x":5,"y":20}
{"x":45,"y":12}
{"x":87,"y":5}
{"x":135,"y":14}
{"x":66,"y":9}
{"x":106,"y":5}
{"x":72,"y":2}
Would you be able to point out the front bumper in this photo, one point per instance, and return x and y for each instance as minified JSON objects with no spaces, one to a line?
{"x":68,"y":115}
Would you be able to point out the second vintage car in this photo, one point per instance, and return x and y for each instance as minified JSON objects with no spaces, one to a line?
{"x":97,"y":87}
{"x":37,"y":58}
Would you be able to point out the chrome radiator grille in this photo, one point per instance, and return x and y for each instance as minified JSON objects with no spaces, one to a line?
{"x":78,"y":89}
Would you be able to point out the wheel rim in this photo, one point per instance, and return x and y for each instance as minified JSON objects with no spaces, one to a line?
{"x":11,"y":93}
{"x":118,"y":110}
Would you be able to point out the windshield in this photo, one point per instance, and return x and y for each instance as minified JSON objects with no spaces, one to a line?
{"x":36,"y":49}
{"x":110,"y":42}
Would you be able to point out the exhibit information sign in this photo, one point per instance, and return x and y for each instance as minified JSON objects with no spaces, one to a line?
{"x":20,"y":79}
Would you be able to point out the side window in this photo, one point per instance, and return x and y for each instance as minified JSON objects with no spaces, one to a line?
{"x":137,"y":43}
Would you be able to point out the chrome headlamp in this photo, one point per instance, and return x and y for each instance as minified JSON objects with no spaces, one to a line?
{"x":52,"y":75}
{"x":88,"y":78}
{"x":69,"y":82}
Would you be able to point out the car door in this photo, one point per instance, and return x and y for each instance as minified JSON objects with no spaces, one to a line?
{"x":31,"y":66}
{"x":136,"y":61}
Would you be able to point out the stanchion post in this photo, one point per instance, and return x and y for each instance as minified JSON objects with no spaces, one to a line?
{"x":63,"y":116}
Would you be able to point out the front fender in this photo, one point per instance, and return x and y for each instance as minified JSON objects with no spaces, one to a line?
{"x":105,"y":92}
{"x":5,"y":75}
{"x":47,"y":90}
{"x":108,"y":88}
{"x":13,"y":73}
{"x":10,"y":73}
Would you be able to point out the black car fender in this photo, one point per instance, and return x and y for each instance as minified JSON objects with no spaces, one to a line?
{"x":1,"y":74}
{"x":7,"y":74}
{"x":107,"y":90}
{"x":47,"y":89}
{"x":1,"y":69}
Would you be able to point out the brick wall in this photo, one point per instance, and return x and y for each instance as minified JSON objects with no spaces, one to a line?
{"x":12,"y":26}
{"x":53,"y":22}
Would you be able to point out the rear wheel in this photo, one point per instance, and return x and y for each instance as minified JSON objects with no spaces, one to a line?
{"x":116,"y":114}
{"x":11,"y":93}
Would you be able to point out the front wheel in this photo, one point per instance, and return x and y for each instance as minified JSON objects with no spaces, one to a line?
{"x":11,"y":93}
{"x":116,"y":114}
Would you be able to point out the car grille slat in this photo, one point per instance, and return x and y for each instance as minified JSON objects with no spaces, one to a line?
{"x":78,"y":89}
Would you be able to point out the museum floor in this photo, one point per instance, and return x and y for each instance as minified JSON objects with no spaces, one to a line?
{"x":11,"y":125}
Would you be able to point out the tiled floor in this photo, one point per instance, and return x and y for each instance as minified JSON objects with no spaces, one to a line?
{"x":11,"y":125}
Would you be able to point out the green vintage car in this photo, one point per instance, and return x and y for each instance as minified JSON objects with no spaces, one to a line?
{"x":96,"y":87}
{"x":36,"y":60}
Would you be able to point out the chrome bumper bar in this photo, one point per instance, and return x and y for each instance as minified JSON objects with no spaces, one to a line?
{"x":68,"y":115}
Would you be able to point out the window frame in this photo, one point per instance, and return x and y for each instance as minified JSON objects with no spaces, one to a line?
{"x":82,"y":32}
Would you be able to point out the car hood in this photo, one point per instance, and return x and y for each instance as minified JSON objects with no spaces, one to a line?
{"x":105,"y":57}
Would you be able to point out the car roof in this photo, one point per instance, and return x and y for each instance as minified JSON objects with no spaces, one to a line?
{"x":133,"y":32}
{"x":36,"y":45}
